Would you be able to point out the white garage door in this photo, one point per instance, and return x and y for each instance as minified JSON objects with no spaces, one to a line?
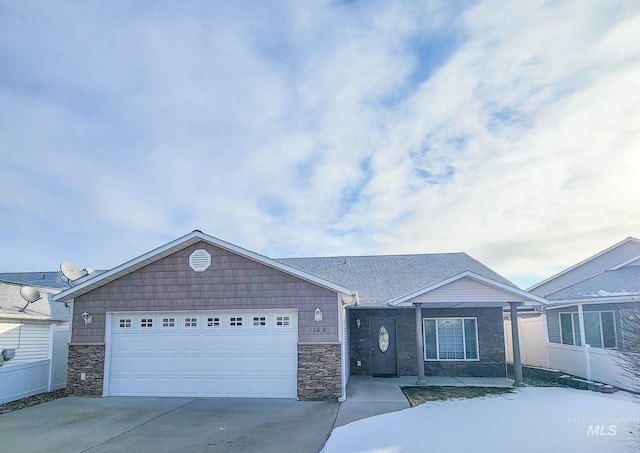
{"x":229,"y":354}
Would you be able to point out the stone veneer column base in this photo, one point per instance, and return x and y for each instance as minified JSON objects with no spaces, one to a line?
{"x":89,"y":359}
{"x":319,"y":371}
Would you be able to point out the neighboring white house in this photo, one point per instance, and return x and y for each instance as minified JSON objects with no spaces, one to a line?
{"x":34,"y":338}
{"x":588,"y":304}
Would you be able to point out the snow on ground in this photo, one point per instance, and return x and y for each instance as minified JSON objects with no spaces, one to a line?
{"x":532,"y":419}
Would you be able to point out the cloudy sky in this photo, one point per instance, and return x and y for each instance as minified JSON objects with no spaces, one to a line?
{"x":508,"y":130}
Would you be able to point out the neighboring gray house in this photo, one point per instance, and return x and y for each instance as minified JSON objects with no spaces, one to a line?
{"x":203,"y":317}
{"x":33,"y":340}
{"x":28,"y":332}
{"x":588,"y":303}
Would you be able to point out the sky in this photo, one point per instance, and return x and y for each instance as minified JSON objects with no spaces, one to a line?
{"x":506,"y":130}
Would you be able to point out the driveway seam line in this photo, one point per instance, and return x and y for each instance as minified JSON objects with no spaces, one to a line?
{"x":138,"y":426}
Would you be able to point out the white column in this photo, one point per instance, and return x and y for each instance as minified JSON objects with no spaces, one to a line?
{"x":583,"y":341}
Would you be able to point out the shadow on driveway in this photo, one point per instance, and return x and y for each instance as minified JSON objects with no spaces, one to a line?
{"x":141,"y":424}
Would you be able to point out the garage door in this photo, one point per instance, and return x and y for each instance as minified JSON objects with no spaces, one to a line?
{"x":229,"y":354}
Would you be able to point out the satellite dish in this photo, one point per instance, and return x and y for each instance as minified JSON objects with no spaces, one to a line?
{"x":30,"y":294}
{"x":71,"y":271}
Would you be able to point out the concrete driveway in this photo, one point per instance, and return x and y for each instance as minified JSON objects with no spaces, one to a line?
{"x":139,"y":425}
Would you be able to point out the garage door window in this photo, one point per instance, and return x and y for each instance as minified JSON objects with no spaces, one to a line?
{"x":283,"y":321}
{"x":213,"y":321}
{"x":191,"y":322}
{"x":259,"y":321}
{"x":125,"y":323}
{"x":235,"y":321}
{"x":146,"y":323}
{"x":168,"y":323}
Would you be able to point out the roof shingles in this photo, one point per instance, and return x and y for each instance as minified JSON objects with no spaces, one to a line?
{"x":379,"y":279}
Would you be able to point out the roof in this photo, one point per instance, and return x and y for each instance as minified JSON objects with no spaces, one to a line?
{"x":382,"y":278}
{"x":40,"y":279}
{"x":601,"y":261}
{"x":43,"y":309}
{"x":621,"y":283}
{"x":83,"y":286}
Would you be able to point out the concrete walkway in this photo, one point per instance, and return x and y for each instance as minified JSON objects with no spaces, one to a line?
{"x":368,"y":396}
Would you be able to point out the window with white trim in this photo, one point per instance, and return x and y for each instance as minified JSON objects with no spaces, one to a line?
{"x":450,"y":339}
{"x":599,"y":329}
{"x":283,"y":321}
{"x":259,"y":321}
{"x":570,"y":329}
{"x":168,"y":322}
{"x":146,"y":323}
{"x":213,"y":321}
{"x":191,"y":322}
{"x":235,"y":321}
{"x":125,"y":323}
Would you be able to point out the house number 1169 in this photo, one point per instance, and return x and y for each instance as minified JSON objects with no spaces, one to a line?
{"x":317,"y":329}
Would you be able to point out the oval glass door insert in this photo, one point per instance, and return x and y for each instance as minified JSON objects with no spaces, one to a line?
{"x":383,"y":339}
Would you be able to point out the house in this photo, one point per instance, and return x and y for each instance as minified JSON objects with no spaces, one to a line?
{"x":588,"y":303}
{"x":33,"y":341}
{"x":202,"y":317}
{"x":25,"y":327}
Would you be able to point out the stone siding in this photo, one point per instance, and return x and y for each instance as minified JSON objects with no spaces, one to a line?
{"x":89,"y":359}
{"x":319,"y":374}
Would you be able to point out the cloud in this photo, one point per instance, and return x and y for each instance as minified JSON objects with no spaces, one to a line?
{"x":506,"y":130}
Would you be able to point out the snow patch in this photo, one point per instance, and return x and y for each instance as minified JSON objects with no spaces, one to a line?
{"x":529,"y":420}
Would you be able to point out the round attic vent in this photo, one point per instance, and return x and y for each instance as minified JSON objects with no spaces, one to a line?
{"x":200,"y":260}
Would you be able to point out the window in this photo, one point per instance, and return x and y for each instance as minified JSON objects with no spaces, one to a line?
{"x":259,"y":321}
{"x":450,"y":339}
{"x":213,"y":321}
{"x":283,"y":321}
{"x":235,"y":321}
{"x":599,"y":329}
{"x":146,"y":322}
{"x":168,"y":322}
{"x":191,"y":322}
{"x":125,"y":323}
{"x":570,"y":329}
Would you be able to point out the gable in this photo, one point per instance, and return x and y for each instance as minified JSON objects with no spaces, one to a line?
{"x":605,"y":260}
{"x":180,"y":244}
{"x":468,"y":290}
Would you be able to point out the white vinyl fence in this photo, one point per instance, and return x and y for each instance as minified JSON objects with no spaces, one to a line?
{"x":533,"y":349}
{"x":26,"y":379}
{"x":594,"y":364}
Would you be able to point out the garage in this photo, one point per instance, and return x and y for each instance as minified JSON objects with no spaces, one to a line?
{"x":206,"y":354}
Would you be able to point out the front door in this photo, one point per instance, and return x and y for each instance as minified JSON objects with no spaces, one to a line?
{"x":383,"y":347}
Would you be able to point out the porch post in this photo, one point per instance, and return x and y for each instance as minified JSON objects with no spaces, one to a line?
{"x":583,"y":342}
{"x":419,"y":344}
{"x":515,"y":339}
